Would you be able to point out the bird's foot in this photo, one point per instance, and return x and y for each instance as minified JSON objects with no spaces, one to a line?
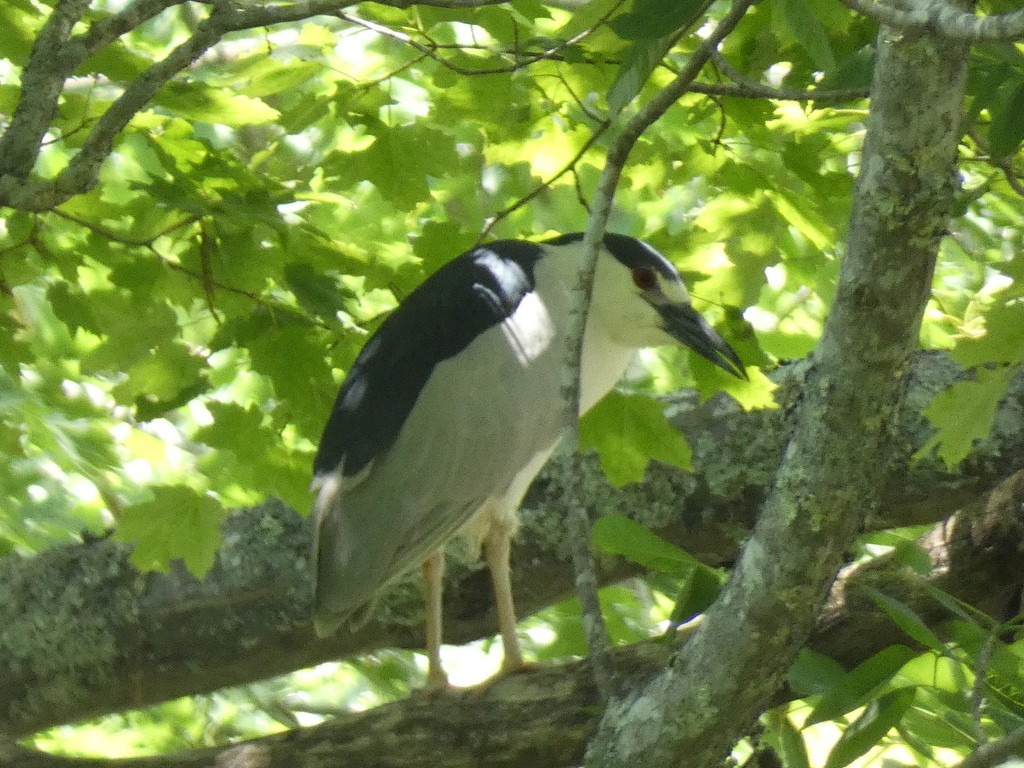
{"x":513,"y":667}
{"x":508,"y":669}
{"x":437,"y":682}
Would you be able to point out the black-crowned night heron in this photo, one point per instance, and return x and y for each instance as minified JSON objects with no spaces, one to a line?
{"x":454,"y":405}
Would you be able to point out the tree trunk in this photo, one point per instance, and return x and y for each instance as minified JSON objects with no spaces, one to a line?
{"x":841,"y":450}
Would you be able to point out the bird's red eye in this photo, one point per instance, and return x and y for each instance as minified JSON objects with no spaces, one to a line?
{"x":644,"y":278}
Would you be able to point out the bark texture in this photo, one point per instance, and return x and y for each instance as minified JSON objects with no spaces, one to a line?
{"x":544,"y":717}
{"x":842,"y":449}
{"x":82,"y":633}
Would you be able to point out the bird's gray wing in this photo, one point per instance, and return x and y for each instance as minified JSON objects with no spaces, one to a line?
{"x":479,"y":419}
{"x":409,"y":452}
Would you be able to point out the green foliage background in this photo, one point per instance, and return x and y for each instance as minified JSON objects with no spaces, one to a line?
{"x":171,"y":342}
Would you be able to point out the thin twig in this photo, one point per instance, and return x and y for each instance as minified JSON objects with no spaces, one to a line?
{"x":598,"y":642}
{"x":751,"y":89}
{"x":431,"y":50}
{"x":978,"y":688}
{"x":995,"y":752}
{"x":115,"y":237}
{"x":105,"y":31}
{"x":506,"y":211}
{"x":1004,"y":164}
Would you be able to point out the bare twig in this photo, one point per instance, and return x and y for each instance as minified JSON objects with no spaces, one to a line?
{"x":116,"y":237}
{"x":1004,"y":164}
{"x":105,"y":31}
{"x":569,"y":166}
{"x":977,"y":696}
{"x":751,"y":89}
{"x":521,"y":60}
{"x":995,"y":752}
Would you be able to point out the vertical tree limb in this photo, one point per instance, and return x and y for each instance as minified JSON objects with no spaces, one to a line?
{"x":598,"y":644}
{"x":49,"y":65}
{"x":839,"y":455}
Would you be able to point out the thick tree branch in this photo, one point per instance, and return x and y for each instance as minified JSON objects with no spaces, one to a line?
{"x":943,"y":18}
{"x":49,"y":65}
{"x":55,"y":55}
{"x":104,"y":32}
{"x":82,"y":633}
{"x":840,"y":449}
{"x":544,"y":717}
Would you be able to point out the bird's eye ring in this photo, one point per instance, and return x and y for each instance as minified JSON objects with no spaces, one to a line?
{"x":644,"y":278}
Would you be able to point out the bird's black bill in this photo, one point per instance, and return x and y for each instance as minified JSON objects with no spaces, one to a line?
{"x":686,"y":325}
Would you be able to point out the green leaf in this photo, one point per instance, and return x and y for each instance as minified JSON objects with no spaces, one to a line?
{"x":196,"y":101}
{"x":906,"y":619}
{"x":880,"y":717}
{"x":913,"y":555}
{"x":1002,"y":342}
{"x":316,"y":292}
{"x":627,"y":431}
{"x":438,"y":242}
{"x":964,"y":413}
{"x":655,"y":19}
{"x":160,"y":376}
{"x":801,"y":215}
{"x":403,"y":160}
{"x":813,"y":673}
{"x":637,"y":65}
{"x":249,"y":453}
{"x":853,"y":689}
{"x":20,"y":26}
{"x":792,"y":748}
{"x":268,"y":77}
{"x":1007,"y":130}
{"x":931,"y":730}
{"x":700,"y":590}
{"x":178,"y":523}
{"x":116,"y":62}
{"x":292,"y":360}
{"x":619,"y":535}
{"x":807,"y":29}
{"x":587,"y":16}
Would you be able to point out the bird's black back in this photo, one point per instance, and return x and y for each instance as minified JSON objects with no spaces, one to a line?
{"x":468,"y":295}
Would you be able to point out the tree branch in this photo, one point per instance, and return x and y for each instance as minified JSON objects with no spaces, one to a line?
{"x":49,"y":65}
{"x":996,"y":752}
{"x":545,"y":716}
{"x":841,"y":443}
{"x":944,"y":19}
{"x":106,"y":31}
{"x":593,"y":623}
{"x":82,"y":633}
{"x":56,"y":54}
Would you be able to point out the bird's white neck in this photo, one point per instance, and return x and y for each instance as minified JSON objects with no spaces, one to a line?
{"x":604,"y":359}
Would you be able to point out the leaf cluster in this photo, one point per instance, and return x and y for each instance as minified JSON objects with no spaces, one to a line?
{"x":172,"y":339}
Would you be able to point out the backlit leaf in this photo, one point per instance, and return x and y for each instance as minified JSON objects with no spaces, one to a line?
{"x":868,"y":730}
{"x":178,"y":523}
{"x":965,"y":413}
{"x":627,"y":431}
{"x":855,"y":687}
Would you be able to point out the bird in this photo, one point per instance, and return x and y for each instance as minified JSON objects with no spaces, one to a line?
{"x":454,"y":405}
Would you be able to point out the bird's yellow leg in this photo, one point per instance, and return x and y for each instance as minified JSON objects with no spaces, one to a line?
{"x":433,"y":580}
{"x":497,"y":549}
